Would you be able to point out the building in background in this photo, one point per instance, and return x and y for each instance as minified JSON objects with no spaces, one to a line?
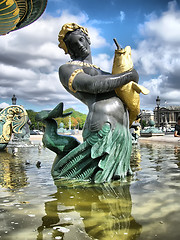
{"x":166,"y":117}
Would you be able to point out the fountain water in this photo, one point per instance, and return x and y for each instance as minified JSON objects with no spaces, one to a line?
{"x":143,"y":206}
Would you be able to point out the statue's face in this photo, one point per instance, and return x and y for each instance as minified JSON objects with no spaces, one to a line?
{"x":79,"y":45}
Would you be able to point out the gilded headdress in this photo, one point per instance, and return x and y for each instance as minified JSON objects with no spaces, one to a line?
{"x":68,"y":27}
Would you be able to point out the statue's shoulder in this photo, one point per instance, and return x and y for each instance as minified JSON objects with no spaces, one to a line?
{"x":65,"y":72}
{"x":68,"y":68}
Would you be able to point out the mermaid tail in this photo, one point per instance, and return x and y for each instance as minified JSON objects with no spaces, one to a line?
{"x":55,"y":113}
{"x":103,"y":156}
{"x":60,"y":144}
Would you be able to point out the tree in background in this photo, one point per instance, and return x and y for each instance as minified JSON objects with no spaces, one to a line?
{"x":77,"y":120}
{"x":74,"y":122}
{"x":34,"y":123}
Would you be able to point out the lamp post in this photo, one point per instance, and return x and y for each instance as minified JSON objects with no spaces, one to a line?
{"x":13,"y":99}
{"x":158,"y":104}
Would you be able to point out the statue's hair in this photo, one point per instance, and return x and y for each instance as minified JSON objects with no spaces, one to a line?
{"x":66,"y":30}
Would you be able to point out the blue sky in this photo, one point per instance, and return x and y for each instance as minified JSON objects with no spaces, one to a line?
{"x":30,"y":58}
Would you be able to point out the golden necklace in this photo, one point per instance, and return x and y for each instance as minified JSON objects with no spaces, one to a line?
{"x":83,"y":64}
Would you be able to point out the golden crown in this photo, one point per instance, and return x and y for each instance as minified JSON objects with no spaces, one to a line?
{"x":68,"y":27}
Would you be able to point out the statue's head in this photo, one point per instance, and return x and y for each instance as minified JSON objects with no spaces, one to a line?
{"x":74,"y":39}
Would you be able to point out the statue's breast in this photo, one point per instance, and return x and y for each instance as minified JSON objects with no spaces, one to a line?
{"x":108,"y":110}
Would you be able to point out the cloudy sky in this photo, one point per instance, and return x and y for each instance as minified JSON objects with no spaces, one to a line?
{"x":30,"y":57}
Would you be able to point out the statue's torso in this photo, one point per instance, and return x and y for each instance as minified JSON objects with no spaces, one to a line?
{"x":103,"y":107}
{"x":109,"y":109}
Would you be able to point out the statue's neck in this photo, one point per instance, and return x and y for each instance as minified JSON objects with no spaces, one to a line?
{"x":87,"y":59}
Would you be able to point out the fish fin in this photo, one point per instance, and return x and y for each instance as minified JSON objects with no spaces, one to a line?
{"x":139,"y":89}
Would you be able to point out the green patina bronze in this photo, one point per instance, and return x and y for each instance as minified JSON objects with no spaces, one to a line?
{"x":103,"y":156}
{"x":151,"y":129}
{"x":16,"y":14}
{"x":59,"y":144}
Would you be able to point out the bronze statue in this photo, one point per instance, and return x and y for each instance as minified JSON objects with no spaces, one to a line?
{"x":89,"y":83}
{"x":105,"y":153}
{"x":12,"y":120}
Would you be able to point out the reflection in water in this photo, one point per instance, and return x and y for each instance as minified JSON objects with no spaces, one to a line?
{"x":12,"y":174}
{"x":136,"y":159}
{"x":177,"y":154}
{"x":142,"y":207}
{"x":104,"y":211}
{"x":157,"y":192}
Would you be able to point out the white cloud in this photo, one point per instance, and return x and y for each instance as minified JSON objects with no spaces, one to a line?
{"x":39,"y":62}
{"x":158,"y":53}
{"x":121,"y":16}
{"x":4,"y":105}
{"x":103,"y":61}
{"x":11,"y":72}
{"x":165,"y":28}
{"x":30,"y":59}
{"x":154,"y":84}
{"x":97,"y":41}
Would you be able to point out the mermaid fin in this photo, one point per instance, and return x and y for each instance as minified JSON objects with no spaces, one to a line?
{"x":58,"y":112}
{"x":55,"y":113}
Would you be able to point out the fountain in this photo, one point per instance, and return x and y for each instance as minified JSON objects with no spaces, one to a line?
{"x":12,"y":120}
{"x":142,"y":206}
{"x":151,"y":130}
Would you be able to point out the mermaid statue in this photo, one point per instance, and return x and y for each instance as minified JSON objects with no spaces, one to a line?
{"x":12,"y":120}
{"x":105,"y":152}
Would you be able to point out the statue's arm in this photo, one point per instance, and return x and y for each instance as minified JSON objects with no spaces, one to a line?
{"x":98,"y":83}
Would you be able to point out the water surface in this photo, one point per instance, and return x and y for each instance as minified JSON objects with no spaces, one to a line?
{"x":145,"y":206}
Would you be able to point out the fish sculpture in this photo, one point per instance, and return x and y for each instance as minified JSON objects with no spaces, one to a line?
{"x":128,"y":93}
{"x":12,"y":119}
